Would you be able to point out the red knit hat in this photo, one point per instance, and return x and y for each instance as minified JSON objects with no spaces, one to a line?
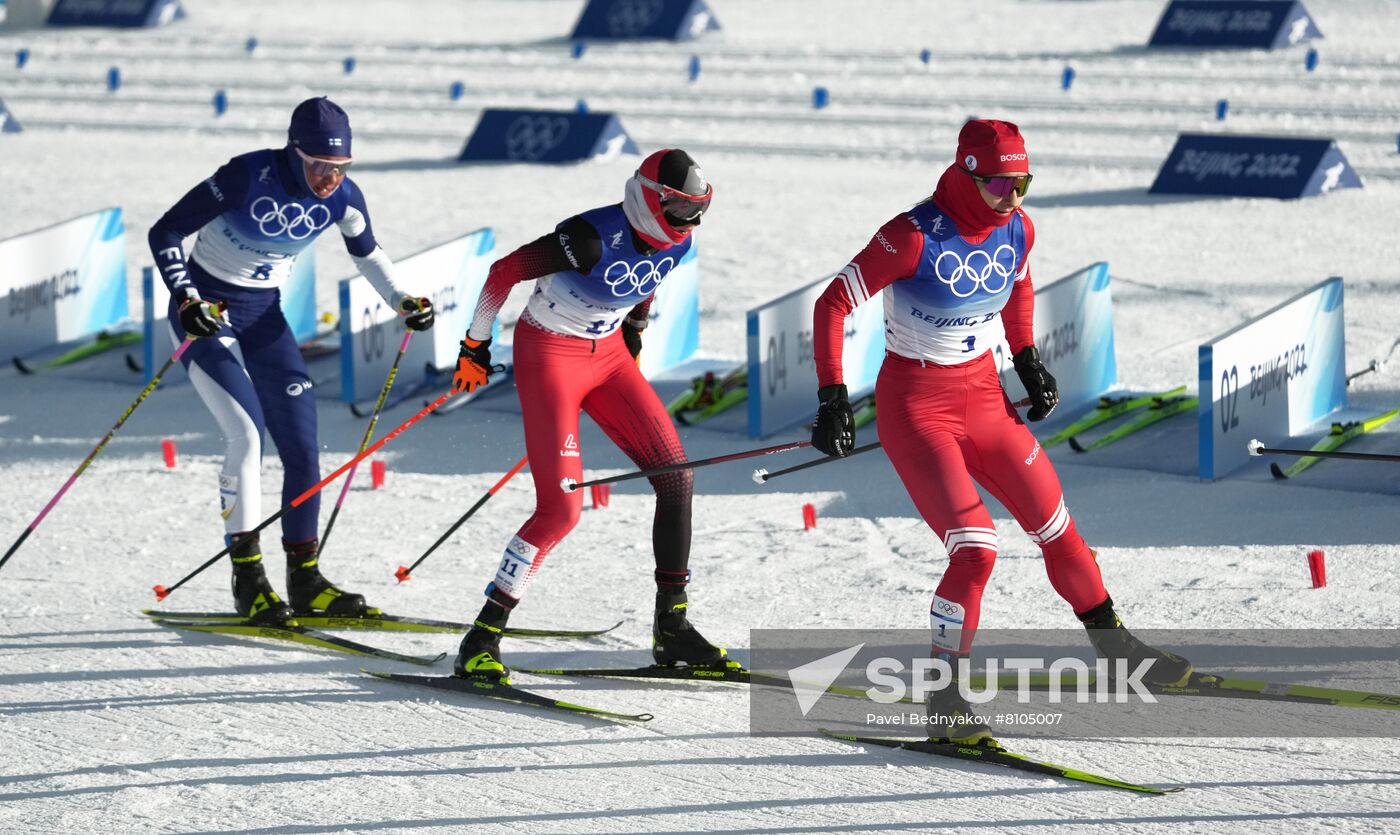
{"x":990,"y":147}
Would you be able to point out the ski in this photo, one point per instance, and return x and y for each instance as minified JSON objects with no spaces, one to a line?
{"x":1208,"y":685}
{"x":997,"y":755}
{"x":735,"y":674}
{"x":1160,"y":410}
{"x":1340,"y":435}
{"x":1109,"y":408}
{"x":710,"y":395}
{"x":299,"y":635}
{"x":104,"y":341}
{"x":506,"y":693}
{"x":381,"y":622}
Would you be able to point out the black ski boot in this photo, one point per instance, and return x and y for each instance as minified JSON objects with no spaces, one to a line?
{"x":675,"y":641}
{"x":479,"y":656}
{"x":253,"y":597}
{"x":1113,"y":641}
{"x":313,"y":594}
{"x":952,"y":719}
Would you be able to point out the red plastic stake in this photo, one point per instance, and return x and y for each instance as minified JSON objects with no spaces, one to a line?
{"x":376,"y":474}
{"x":1317,"y":566}
{"x":809,"y":517}
{"x":601,"y":493}
{"x":167,"y":446}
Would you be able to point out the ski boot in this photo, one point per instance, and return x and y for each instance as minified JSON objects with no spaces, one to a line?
{"x":253,"y":597}
{"x":1113,"y":641}
{"x":312,"y":593}
{"x":479,"y":657}
{"x":675,"y":641}
{"x":952,"y":720}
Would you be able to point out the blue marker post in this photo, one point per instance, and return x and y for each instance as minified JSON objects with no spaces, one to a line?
{"x":220,"y":102}
{"x":349,"y":65}
{"x":578,"y":49}
{"x":694,"y":67}
{"x":1221,"y":108}
{"x":456,"y":91}
{"x":925,"y":55}
{"x":251,"y":45}
{"x":21,"y":58}
{"x":1067,"y":79}
{"x":114,"y":80}
{"x":1311,"y":61}
{"x":820,"y":97}
{"x":581,"y":106}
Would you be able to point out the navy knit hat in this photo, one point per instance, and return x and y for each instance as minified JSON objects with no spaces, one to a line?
{"x":320,"y":129}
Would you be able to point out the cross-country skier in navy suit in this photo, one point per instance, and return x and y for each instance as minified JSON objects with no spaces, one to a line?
{"x":253,"y":217}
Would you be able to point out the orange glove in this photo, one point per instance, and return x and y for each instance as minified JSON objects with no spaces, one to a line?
{"x":473,"y":365}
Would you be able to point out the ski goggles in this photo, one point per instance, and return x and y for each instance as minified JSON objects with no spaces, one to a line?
{"x":323,"y":167}
{"x":1002,"y":186}
{"x":677,"y":205}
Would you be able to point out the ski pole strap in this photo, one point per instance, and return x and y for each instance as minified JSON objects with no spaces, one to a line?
{"x":761,"y":475}
{"x":1257,"y":448}
{"x":568,"y":485}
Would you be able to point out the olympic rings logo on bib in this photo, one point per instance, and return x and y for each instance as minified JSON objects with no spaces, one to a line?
{"x":291,"y":219}
{"x":965,"y":277}
{"x":625,"y":279}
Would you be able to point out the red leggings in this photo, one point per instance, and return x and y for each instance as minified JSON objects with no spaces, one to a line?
{"x":942,"y":427}
{"x":556,"y":376}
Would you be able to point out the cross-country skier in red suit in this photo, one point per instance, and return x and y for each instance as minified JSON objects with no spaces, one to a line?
{"x":955,"y":275}
{"x":575,"y":348}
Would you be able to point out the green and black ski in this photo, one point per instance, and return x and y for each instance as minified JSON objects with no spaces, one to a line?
{"x":299,"y":635}
{"x":1340,"y":435}
{"x":1161,"y":409}
{"x":382,"y":623}
{"x":506,"y":693}
{"x":734,"y":674}
{"x":1109,"y":408}
{"x":709,"y":395}
{"x":104,"y":341}
{"x":994,"y":754}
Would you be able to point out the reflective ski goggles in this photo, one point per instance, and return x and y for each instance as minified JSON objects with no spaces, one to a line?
{"x":1002,"y":186}
{"x":677,"y":205}
{"x":323,"y":167}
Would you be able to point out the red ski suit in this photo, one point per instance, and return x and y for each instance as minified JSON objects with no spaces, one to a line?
{"x":945,"y":423}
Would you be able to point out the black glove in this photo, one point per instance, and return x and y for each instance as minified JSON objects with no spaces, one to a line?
{"x":631,"y":337}
{"x":473,"y":365}
{"x":418,"y":312}
{"x":199,"y":318}
{"x":835,"y":431}
{"x":1045,"y":395}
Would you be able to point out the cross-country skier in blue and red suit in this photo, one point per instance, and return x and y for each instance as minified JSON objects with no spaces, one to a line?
{"x":253,"y":217}
{"x":955,"y":275}
{"x":575,"y":348}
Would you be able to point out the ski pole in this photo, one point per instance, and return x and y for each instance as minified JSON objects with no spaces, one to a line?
{"x":1374,"y":366}
{"x":1257,"y":448}
{"x":162,"y":591}
{"x":369,"y":433}
{"x":404,"y":574}
{"x":150,"y":387}
{"x":761,"y":475}
{"x":568,"y":485}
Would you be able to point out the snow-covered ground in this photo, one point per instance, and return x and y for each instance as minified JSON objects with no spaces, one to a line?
{"x":111,"y":724}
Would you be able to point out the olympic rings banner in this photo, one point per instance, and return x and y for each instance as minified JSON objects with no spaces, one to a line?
{"x":135,"y":14}
{"x":1272,"y":377}
{"x":675,"y":20}
{"x":298,"y":305}
{"x":63,"y":283}
{"x":452,"y":275}
{"x":1074,"y":332}
{"x":1213,"y":24}
{"x":673,"y":334}
{"x":546,"y":136}
{"x":782,"y":368}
